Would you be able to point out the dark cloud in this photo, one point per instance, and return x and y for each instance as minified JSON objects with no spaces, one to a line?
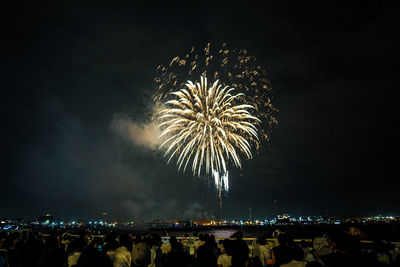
{"x":76,"y":101}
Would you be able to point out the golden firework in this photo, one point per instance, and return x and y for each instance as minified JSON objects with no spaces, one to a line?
{"x":234,"y":67}
{"x":208,"y":126}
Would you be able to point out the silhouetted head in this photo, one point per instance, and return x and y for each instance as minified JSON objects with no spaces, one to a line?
{"x":297,"y":254}
{"x":137,"y":239}
{"x":284,"y":239}
{"x":227,"y":246}
{"x":212,"y":237}
{"x":84,"y":235}
{"x":155,"y":239}
{"x":238,"y":235}
{"x":125,"y":241}
{"x":51,"y":242}
{"x":261,"y":240}
{"x":24,"y":235}
{"x":173,"y":240}
{"x":111,"y":237}
{"x":201,"y":237}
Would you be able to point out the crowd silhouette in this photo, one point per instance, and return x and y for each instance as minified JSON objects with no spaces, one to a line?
{"x":61,"y":249}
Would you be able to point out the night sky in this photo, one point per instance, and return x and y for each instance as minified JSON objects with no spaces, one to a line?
{"x":71,"y":70}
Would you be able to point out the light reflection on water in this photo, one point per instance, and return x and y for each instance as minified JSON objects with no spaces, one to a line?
{"x":218,"y":233}
{"x":226,"y":233}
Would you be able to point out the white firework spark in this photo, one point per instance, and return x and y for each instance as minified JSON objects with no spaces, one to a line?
{"x":221,"y":180}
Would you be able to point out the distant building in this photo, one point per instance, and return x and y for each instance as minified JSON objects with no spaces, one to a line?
{"x":283,"y":218}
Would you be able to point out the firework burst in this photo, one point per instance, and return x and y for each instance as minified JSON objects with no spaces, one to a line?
{"x":234,"y":67}
{"x":210,"y":126}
